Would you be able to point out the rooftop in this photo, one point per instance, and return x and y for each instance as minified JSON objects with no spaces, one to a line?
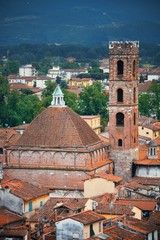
{"x":8,"y":217}
{"x":59,"y":127}
{"x":144,"y":205}
{"x":87,"y":217}
{"x":25,"y":190}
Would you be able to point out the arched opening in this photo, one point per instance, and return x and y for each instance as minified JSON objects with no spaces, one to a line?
{"x":134,"y":120}
{"x":120,"y":67}
{"x":119,"y":95}
{"x":119,"y":142}
{"x":1,"y":150}
{"x":134,"y":68}
{"x":134,"y":95}
{"x":119,"y":119}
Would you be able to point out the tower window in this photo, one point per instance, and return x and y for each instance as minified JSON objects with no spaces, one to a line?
{"x":134,"y":119}
{"x":119,"y":119}
{"x":119,"y":95}
{"x":134,"y":68}
{"x":1,"y":150}
{"x":134,"y":95}
{"x":120,"y":67}
{"x":119,"y":142}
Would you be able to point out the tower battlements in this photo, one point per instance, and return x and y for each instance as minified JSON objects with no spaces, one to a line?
{"x":123,"y":48}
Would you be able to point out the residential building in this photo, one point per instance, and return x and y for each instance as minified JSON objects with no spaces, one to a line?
{"x":53,"y":72}
{"x":98,"y":185}
{"x":27,"y":70}
{"x":80,"y":82}
{"x":80,"y":226}
{"x":154,"y":75}
{"x":57,"y":208}
{"x":141,"y":208}
{"x":12,"y":225}
{"x":94,"y":122}
{"x":22,"y":197}
{"x":150,"y":130}
{"x":104,"y":65}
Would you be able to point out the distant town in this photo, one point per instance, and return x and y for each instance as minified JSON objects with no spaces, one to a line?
{"x":80,"y":147}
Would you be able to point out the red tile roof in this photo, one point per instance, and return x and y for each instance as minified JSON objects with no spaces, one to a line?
{"x":144,"y":87}
{"x":144,"y":205}
{"x":7,"y":217}
{"x":87,"y":217}
{"x":147,"y":181}
{"x":20,"y":231}
{"x":135,"y":186}
{"x":59,"y":127}
{"x":8,"y":136}
{"x":48,"y":209}
{"x":140,"y":226}
{"x":121,"y":233}
{"x":105,"y":198}
{"x":17,"y":86}
{"x":25,"y":190}
{"x":155,"y":218}
{"x":114,"y":209}
{"x":109,"y":177}
{"x":144,"y":160}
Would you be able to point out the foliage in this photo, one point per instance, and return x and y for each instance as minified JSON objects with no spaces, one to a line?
{"x":11,"y":67}
{"x":94,"y":101}
{"x":4,"y":91}
{"x":71,"y":100}
{"x":154,"y":91}
{"x":144,"y":104}
{"x":149,"y":103}
{"x":47,"y":93}
{"x":15,"y":107}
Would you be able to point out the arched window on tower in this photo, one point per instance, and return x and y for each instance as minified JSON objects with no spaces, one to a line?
{"x":119,"y":119}
{"x":134,"y":95}
{"x":119,"y":95}
{"x":134,"y":120}
{"x":120,"y":67}
{"x":134,"y":69}
{"x":119,"y":142}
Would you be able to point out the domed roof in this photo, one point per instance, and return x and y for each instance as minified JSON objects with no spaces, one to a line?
{"x":58,"y":127}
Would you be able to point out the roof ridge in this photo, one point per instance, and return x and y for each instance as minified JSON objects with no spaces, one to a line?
{"x":74,"y":125}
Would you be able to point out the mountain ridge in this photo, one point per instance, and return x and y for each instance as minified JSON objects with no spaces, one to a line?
{"x":81,"y":22}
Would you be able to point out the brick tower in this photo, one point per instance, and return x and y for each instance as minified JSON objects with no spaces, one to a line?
{"x":123,"y":106}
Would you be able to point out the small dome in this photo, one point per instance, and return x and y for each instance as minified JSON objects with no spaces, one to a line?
{"x":152,"y":144}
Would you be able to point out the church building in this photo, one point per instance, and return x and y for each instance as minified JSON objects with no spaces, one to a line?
{"x":58,"y":150}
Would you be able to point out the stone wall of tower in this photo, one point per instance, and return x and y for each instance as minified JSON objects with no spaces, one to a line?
{"x":123,"y":106}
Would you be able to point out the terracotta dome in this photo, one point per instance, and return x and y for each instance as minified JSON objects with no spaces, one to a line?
{"x":58,"y":127}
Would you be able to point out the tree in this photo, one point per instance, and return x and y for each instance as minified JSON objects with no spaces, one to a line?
{"x":47,"y":93}
{"x":154,"y":91}
{"x":94,"y":101}
{"x":22,"y":107}
{"x":12,"y":67}
{"x":71,"y":100}
{"x":144,"y":104}
{"x":4,"y":92}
